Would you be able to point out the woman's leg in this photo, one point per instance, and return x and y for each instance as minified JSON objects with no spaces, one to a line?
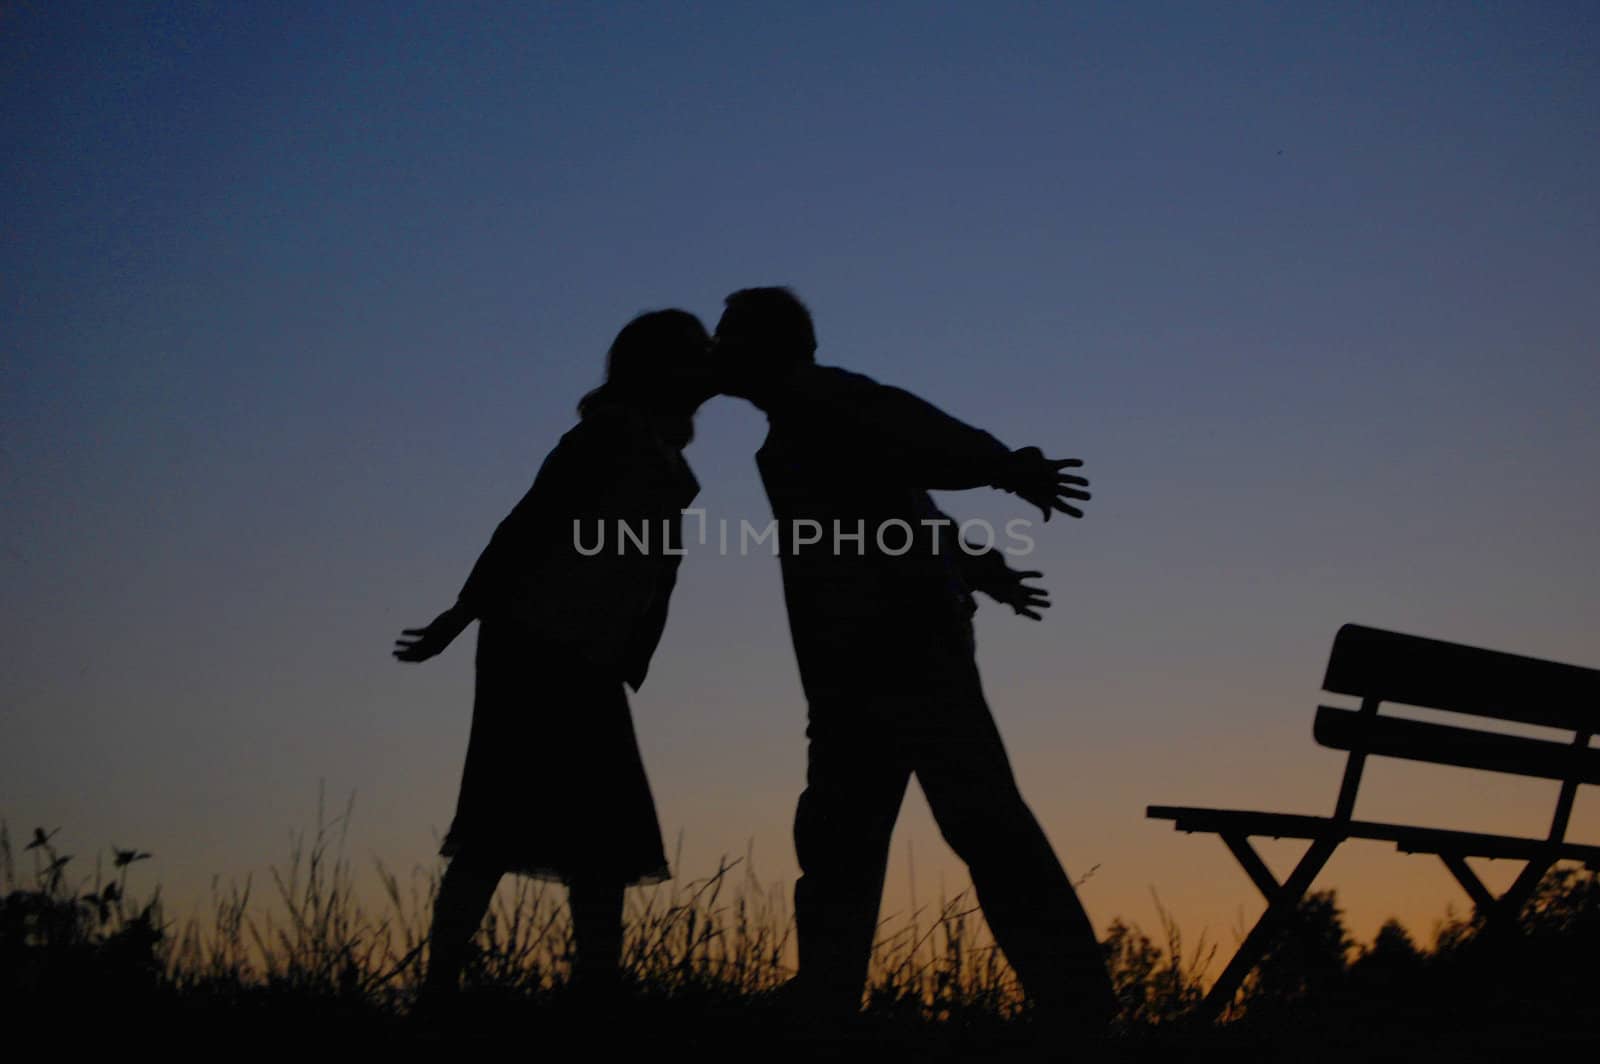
{"x":597,"y":929}
{"x":464,"y":895}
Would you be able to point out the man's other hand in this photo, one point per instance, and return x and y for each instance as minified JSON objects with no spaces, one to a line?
{"x":1007,"y":586}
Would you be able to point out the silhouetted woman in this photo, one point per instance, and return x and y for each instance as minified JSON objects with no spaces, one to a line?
{"x":571,"y":607}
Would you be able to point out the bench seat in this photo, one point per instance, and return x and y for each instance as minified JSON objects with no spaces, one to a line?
{"x":1407,"y":838}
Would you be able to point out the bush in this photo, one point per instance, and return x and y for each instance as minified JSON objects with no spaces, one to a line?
{"x":57,"y":938}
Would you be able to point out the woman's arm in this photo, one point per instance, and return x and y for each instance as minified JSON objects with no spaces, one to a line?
{"x":420,"y":644}
{"x":517,"y":535}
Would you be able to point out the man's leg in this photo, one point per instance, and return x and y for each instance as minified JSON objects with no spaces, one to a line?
{"x":1028,"y":900}
{"x":842,"y":827}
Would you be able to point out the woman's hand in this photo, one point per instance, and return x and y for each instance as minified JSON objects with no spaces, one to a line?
{"x":420,"y":644}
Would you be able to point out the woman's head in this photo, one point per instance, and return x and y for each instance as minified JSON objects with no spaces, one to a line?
{"x":659,"y":362}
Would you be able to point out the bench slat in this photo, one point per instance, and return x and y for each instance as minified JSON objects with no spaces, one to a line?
{"x":1373,"y":663}
{"x":1406,"y":838}
{"x":1414,"y":740}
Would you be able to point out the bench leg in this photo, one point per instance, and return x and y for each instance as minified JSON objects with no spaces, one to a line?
{"x":1501,"y":911}
{"x":1253,"y":865}
{"x":1517,"y":895}
{"x":1482,"y":900}
{"x":1281,"y":905}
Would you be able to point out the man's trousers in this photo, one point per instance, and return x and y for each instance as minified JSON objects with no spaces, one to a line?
{"x":864,"y":747}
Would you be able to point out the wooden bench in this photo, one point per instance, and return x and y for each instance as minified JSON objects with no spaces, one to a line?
{"x":1378,"y":667}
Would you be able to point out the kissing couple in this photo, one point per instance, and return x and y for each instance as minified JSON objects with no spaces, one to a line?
{"x":554,"y":785}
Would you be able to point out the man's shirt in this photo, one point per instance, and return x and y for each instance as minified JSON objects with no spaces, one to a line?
{"x":846,"y":455}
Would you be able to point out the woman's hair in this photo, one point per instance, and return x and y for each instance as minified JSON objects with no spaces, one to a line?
{"x":646,"y":356}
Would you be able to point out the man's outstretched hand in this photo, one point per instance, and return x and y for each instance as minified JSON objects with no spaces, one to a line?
{"x":1005,"y":585}
{"x":420,"y":644}
{"x":1040,"y":480}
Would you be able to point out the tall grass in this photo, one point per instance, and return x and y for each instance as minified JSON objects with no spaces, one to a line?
{"x":722,"y":940}
{"x":312,"y":934}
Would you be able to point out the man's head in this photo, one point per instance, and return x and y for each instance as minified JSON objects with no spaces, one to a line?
{"x":764,"y":333}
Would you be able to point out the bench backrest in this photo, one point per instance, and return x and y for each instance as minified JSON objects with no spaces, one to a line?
{"x":1378,"y":666}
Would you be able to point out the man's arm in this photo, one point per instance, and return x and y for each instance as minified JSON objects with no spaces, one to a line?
{"x":933,"y":450}
{"x":984,"y":569}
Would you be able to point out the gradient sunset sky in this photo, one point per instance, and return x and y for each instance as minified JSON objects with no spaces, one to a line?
{"x":296,"y":297}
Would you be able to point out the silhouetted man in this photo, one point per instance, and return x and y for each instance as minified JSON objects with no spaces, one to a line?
{"x":879,"y":601}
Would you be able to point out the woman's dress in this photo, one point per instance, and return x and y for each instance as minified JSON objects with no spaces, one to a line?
{"x":569,"y":609}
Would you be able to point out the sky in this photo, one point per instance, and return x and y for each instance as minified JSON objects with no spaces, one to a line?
{"x":296,"y":297}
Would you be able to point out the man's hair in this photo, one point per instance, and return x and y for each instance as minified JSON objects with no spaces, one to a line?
{"x":781,"y":320}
